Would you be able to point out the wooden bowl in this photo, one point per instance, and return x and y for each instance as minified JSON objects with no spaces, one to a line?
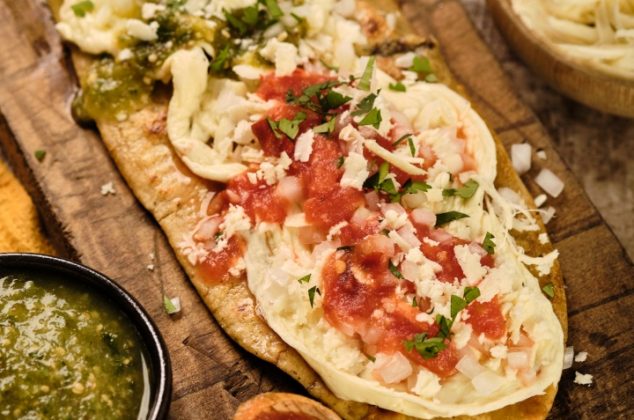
{"x":586,"y":85}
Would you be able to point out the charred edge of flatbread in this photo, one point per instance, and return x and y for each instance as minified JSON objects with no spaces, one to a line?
{"x":282,"y":405}
{"x":144,"y":156}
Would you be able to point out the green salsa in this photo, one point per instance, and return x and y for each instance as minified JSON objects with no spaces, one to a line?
{"x":67,"y":353}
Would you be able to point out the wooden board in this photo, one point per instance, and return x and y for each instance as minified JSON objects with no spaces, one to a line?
{"x":115,"y":235}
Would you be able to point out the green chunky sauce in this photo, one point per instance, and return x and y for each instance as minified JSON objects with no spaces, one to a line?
{"x":66,"y":353}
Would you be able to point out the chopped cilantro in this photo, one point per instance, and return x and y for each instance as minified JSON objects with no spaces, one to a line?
{"x":366,"y":79}
{"x":311,"y":295}
{"x":394,"y":270}
{"x":549,"y":290}
{"x":400,"y":139}
{"x":371,"y":358}
{"x":340,"y":161}
{"x":384,"y":169}
{"x":450,"y":216}
{"x":388,"y":187}
{"x":335,"y":99}
{"x":444,"y":324}
{"x":372,"y":118}
{"x":397,"y":87}
{"x":327,"y":127}
{"x":40,"y":155}
{"x":365,"y":106}
{"x":222,"y":61}
{"x":488,"y":244}
{"x":470,"y":294}
{"x":304,"y":279}
{"x":345,"y":248}
{"x":414,"y":302}
{"x":431,"y":78}
{"x":466,"y":191}
{"x":274,"y":9}
{"x":421,"y":65}
{"x":81,"y":8}
{"x":286,"y":126}
{"x":412,"y":148}
{"x":236,"y":23}
{"x":428,"y":348}
{"x":457,"y":305}
{"x":411,"y":187}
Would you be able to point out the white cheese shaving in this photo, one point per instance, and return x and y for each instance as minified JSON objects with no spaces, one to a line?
{"x":283,"y":54}
{"x":582,"y":356}
{"x":107,"y":189}
{"x":583,"y":378}
{"x":304,"y":146}
{"x":141,"y":30}
{"x":355,"y":171}
{"x":470,"y":264}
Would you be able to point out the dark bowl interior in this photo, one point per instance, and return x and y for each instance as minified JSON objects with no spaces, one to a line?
{"x":158,"y":356}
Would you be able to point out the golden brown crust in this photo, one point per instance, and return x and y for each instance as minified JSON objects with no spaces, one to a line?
{"x":145,"y":158}
{"x":283,"y":406}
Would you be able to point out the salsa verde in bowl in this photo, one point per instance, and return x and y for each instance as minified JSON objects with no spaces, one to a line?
{"x":73,"y":344}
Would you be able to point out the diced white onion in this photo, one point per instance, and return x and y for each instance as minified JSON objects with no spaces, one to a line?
{"x":392,"y":206}
{"x":550,"y":182}
{"x":540,"y":200}
{"x":517,"y":359}
{"x":409,"y":235}
{"x":548,"y":214}
{"x":487,"y":383}
{"x":440,"y":235}
{"x":423,"y":216}
{"x":409,"y":270}
{"x":510,"y":195}
{"x":392,"y":368}
{"x":469,"y":366}
{"x":569,"y":355}
{"x":290,"y":188}
{"x":360,"y":216}
{"x":372,"y":199}
{"x":207,"y":228}
{"x":521,"y":157}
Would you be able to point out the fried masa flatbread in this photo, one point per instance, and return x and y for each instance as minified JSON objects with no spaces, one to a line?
{"x":166,"y":187}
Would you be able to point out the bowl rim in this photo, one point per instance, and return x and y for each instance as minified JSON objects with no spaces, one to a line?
{"x":159,"y":360}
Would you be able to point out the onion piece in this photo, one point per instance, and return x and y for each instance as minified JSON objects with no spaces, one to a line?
{"x":487,"y":383}
{"x":517,"y":359}
{"x":540,"y":200}
{"x":423,"y":216}
{"x":290,"y":188}
{"x":392,"y":368}
{"x":372,"y":199}
{"x":521,"y":157}
{"x":548,"y":214}
{"x":569,"y":355}
{"x":550,"y":182}
{"x":469,"y":366}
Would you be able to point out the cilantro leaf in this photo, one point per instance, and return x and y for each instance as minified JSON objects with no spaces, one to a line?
{"x":488,"y":244}
{"x":311,"y":295}
{"x":414,"y":302}
{"x":549,"y":290}
{"x":450,"y":216}
{"x":222,"y":61}
{"x":470,"y":294}
{"x":394,"y":270}
{"x":340,"y":161}
{"x":40,"y":155}
{"x":171,"y":306}
{"x":397,"y":87}
{"x":274,"y":9}
{"x":366,"y":79}
{"x":235,"y":23}
{"x":384,"y":169}
{"x":400,"y":139}
{"x":327,"y":127}
{"x":421,"y":65}
{"x":335,"y":99}
{"x":457,"y":305}
{"x":291,"y":127}
{"x":445,"y":325}
{"x":304,"y":279}
{"x":466,"y":191}
{"x":412,"y":148}
{"x":365,"y":106}
{"x":431,"y":78}
{"x":81,"y":8}
{"x":411,"y":187}
{"x":275,"y":127}
{"x":372,"y":118}
{"x":427,"y":347}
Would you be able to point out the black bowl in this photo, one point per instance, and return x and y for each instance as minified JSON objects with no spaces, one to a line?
{"x":158,"y":358}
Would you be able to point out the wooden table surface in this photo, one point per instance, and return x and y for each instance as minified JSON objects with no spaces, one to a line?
{"x":211,"y":374}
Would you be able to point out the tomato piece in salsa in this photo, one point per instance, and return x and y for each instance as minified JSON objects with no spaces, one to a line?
{"x":260,"y":201}
{"x":273,"y":87}
{"x":215,"y":268}
{"x":486,"y":318}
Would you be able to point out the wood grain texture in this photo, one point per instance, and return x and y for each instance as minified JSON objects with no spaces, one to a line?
{"x":115,"y":235}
